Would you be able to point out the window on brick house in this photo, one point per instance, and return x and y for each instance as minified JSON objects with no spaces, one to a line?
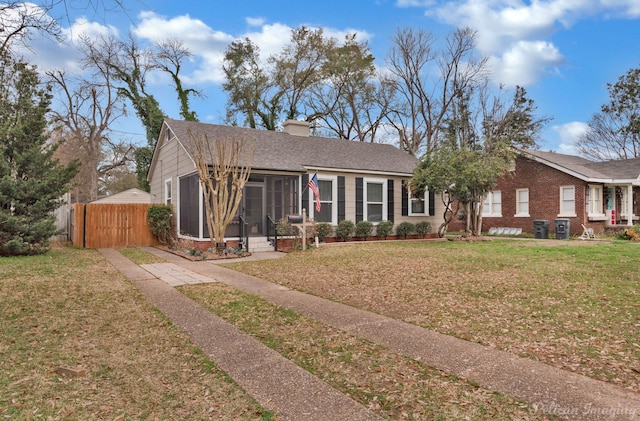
{"x":493,"y":204}
{"x":522,"y":203}
{"x":567,"y":201}
{"x":594,"y":207}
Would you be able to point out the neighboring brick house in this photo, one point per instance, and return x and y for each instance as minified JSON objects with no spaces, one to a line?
{"x":550,"y":186}
{"x":357,"y":180}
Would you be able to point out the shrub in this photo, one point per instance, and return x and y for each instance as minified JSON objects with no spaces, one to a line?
{"x":159,"y":217}
{"x":345,"y":230}
{"x":285,"y":229}
{"x":323,"y":230}
{"x":384,"y":229}
{"x":423,"y":228}
{"x":364,"y":229}
{"x":630,"y":234}
{"x":404,"y":229}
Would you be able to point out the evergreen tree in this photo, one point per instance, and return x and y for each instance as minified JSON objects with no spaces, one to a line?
{"x":32,"y":182}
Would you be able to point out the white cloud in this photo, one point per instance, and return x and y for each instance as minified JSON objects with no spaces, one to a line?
{"x":516,"y":33}
{"x":270,"y":38}
{"x":82,"y":27}
{"x":624,"y":8}
{"x":525,"y":62}
{"x":414,"y":3}
{"x":206,"y":44}
{"x":255,"y":21}
{"x":568,"y":134}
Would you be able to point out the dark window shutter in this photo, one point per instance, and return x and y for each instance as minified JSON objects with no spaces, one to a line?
{"x":341,"y":199}
{"x":305,"y":193}
{"x":432,"y":203}
{"x":390,"y":203}
{"x":405,"y":199}
{"x":359,"y":199}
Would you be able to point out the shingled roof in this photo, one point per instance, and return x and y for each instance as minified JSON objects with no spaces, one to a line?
{"x":624,"y":170}
{"x":282,"y":151}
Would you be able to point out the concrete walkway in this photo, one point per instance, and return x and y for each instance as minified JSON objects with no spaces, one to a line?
{"x":549,"y":390}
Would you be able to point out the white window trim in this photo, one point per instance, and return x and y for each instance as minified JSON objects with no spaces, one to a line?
{"x":385,"y":199}
{"x":334,"y":198}
{"x":168,"y":194}
{"x":518,"y":214}
{"x":491,"y":213}
{"x":595,"y":216}
{"x":562,"y":214}
{"x":425,"y":199}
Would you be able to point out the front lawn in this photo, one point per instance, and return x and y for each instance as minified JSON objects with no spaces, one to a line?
{"x":573,"y":305}
{"x":70,"y":308}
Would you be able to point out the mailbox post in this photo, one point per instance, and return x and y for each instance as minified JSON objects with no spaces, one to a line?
{"x":300,"y":222}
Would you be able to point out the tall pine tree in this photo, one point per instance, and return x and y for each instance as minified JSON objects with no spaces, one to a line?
{"x":32,"y":182}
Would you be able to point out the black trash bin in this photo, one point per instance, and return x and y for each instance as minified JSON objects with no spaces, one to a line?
{"x":541,"y":228}
{"x":562,"y":229}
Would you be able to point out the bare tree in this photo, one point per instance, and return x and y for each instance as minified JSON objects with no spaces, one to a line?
{"x":614,"y":132}
{"x":20,"y":20}
{"x":606,"y":140}
{"x":87,"y":106}
{"x":426,"y":82}
{"x":224,"y":167}
{"x":169,"y":57}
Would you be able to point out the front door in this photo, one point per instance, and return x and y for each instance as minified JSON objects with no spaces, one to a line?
{"x":254,"y":205}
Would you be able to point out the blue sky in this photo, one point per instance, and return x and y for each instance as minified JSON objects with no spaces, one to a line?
{"x":563,"y":52}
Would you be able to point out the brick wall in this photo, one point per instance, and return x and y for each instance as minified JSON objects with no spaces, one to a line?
{"x":544,"y":184}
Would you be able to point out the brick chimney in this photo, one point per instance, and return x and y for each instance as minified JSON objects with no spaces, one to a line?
{"x":296,"y":128}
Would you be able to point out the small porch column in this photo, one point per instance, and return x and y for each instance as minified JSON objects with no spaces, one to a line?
{"x":629,"y":209}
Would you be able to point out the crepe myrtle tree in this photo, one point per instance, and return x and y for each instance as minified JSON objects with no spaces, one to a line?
{"x":224,"y":167}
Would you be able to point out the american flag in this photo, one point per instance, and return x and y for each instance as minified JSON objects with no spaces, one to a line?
{"x":313,"y":185}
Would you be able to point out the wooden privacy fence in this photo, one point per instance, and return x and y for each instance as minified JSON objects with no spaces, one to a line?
{"x":102,"y":225}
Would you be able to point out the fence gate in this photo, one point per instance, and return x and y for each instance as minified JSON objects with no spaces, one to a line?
{"x":102,"y":225}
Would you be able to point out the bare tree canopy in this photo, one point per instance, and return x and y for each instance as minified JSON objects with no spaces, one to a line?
{"x":21,"y":20}
{"x":169,"y":57}
{"x":426,"y":82}
{"x":86,"y":109}
{"x":614,"y":132}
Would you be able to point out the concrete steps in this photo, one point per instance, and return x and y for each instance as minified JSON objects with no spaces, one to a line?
{"x":260,"y":244}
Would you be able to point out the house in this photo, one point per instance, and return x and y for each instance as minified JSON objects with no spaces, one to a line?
{"x":357,"y":181}
{"x":133,"y":195}
{"x":548,"y":186}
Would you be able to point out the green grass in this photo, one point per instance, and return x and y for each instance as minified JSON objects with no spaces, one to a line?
{"x":139,"y":256}
{"x":394,"y":386}
{"x":71,"y":308}
{"x":572,"y":304}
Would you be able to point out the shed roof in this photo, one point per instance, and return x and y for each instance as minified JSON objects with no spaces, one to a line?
{"x":282,"y":151}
